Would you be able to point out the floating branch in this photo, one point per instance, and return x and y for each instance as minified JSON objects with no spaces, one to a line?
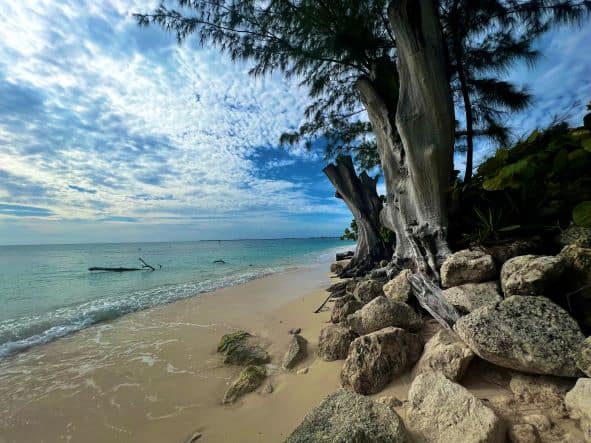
{"x":121,"y":269}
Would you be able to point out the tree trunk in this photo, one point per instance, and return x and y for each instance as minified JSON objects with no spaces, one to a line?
{"x":359,"y":193}
{"x":415,"y":137}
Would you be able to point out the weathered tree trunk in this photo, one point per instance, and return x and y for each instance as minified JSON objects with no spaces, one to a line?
{"x":415,"y":137}
{"x":360,"y":195}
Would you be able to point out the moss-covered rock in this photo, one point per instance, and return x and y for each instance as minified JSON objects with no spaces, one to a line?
{"x":248,"y":380}
{"x":238,"y":351}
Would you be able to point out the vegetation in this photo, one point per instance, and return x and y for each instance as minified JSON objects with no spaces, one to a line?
{"x":539,"y":185}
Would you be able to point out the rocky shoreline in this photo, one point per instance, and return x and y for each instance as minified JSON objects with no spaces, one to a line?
{"x":513,"y":325}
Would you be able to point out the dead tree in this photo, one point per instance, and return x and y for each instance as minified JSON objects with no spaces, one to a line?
{"x":361,"y":197}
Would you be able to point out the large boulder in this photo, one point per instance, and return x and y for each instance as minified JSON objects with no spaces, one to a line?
{"x":584,"y":357}
{"x":440,"y":410}
{"x":296,"y":352}
{"x":344,"y":307}
{"x":346,"y":417}
{"x":376,"y":358}
{"x":339,"y":266}
{"x":334,"y":341}
{"x":578,"y":403}
{"x":529,"y":334}
{"x":382,"y":312}
{"x":472,"y":296}
{"x":531,"y":274}
{"x":366,"y":290}
{"x":248,"y":380}
{"x":399,"y":288}
{"x":543,"y":391}
{"x":239,"y":350}
{"x":467,"y":266}
{"x":445,"y":353}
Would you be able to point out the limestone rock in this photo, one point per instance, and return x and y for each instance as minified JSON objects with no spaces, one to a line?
{"x":382,"y":312}
{"x":575,"y":235}
{"x":334,"y":341}
{"x":578,"y":402}
{"x":338,"y":266}
{"x":584,"y":357}
{"x":446,"y":353}
{"x":503,"y":252}
{"x":467,"y":266}
{"x":302,"y":371}
{"x":540,"y":422}
{"x":390,"y":401}
{"x":399,"y":288}
{"x":296,"y":352}
{"x":471,"y":296}
{"x":577,"y":281}
{"x":346,"y":417}
{"x":366,"y":290}
{"x":440,"y":410}
{"x":344,"y":307}
{"x":530,"y":274}
{"x":248,"y":380}
{"x":523,"y":433}
{"x":542,"y":391}
{"x":239,"y":351}
{"x":375,"y":359}
{"x":529,"y":334}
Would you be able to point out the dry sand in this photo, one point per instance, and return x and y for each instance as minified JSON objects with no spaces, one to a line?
{"x":154,"y":376}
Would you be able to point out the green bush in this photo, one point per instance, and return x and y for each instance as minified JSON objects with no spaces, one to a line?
{"x":539,"y":185}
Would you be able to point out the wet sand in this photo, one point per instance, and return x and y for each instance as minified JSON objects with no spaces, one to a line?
{"x":154,"y":376}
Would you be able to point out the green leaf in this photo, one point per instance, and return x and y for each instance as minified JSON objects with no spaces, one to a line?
{"x":582,"y":214}
{"x":509,"y":228}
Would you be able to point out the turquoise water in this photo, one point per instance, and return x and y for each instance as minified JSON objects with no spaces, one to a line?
{"x":46,"y":291}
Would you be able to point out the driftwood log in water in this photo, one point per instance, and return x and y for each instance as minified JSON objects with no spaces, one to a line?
{"x":121,"y":269}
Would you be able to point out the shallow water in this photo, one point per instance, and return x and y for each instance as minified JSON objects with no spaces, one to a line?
{"x":46,"y":291}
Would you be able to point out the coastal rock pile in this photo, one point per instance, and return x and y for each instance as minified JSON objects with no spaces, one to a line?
{"x":530,"y":274}
{"x":366,"y":290}
{"x":467,"y":266}
{"x":374,"y":359}
{"x":584,"y":357}
{"x":471,"y":296}
{"x":578,"y":402}
{"x":399,"y":288}
{"x":334,"y":341}
{"x":544,"y":392}
{"x":344,"y":416}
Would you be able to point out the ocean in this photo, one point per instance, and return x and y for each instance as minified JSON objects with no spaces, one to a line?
{"x":47,"y":291}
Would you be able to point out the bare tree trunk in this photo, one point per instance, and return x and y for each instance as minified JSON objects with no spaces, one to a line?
{"x":360,"y":195}
{"x":415,"y":137}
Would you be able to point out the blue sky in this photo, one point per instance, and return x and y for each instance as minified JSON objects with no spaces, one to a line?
{"x":109,"y":132}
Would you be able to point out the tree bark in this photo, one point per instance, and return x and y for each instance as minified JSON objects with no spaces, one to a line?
{"x":415,"y":137}
{"x":360,"y":195}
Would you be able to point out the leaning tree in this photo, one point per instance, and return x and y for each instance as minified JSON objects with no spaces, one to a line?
{"x":393,"y":57}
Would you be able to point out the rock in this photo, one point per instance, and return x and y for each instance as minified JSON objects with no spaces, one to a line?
{"x":384,"y":263}
{"x":268,"y":389}
{"x":575,"y":235}
{"x":467,"y":266}
{"x":334,"y":341}
{"x":295,"y":331}
{"x":296,"y":352}
{"x":337,"y":288}
{"x":248,"y":380}
{"x":302,"y":371}
{"x":366,"y":290}
{"x":503,"y":252}
{"x":376,"y":358}
{"x":529,"y":334}
{"x":578,"y":402}
{"x":530,"y":274}
{"x":523,"y":433}
{"x":471,"y":296}
{"x":446,"y":353}
{"x":338,"y":266}
{"x":347,"y":417}
{"x":343,"y":307}
{"x":576,"y":280}
{"x":584,"y":357}
{"x":540,"y":422}
{"x":344,"y":255}
{"x":238,"y":350}
{"x":442,"y":411}
{"x":390,"y":401}
{"x":399,"y":288}
{"x":543,"y":391}
{"x":194,"y":437}
{"x":379,"y":274}
{"x":382,"y":312}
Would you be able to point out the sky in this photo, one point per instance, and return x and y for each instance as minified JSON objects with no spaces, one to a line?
{"x":111,"y":133}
